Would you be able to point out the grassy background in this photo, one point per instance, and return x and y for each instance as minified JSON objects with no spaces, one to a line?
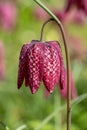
{"x":20,"y":107}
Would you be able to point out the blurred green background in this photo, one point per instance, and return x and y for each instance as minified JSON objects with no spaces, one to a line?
{"x":19,"y":108}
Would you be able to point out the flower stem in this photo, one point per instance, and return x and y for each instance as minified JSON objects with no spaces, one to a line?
{"x":42,"y":29}
{"x":67,"y":61}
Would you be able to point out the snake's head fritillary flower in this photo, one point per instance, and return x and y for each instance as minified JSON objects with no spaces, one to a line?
{"x":8,"y":15}
{"x":41,"y":61}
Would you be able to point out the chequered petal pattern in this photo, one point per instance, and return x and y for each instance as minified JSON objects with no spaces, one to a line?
{"x":41,"y":61}
{"x":51,"y":67}
{"x":34,"y":63}
{"x":62,"y":68}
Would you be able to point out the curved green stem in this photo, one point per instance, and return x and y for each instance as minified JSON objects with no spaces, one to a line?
{"x":67,"y":61}
{"x":42,"y":29}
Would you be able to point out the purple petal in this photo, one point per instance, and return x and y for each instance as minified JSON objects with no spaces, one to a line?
{"x":34,"y":64}
{"x":51,"y":67}
{"x":22,"y":61}
{"x":62,"y":70}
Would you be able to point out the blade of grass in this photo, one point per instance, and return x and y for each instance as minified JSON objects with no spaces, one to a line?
{"x":48,"y":118}
{"x":22,"y":127}
{"x":74,"y":103}
{"x":78,"y":100}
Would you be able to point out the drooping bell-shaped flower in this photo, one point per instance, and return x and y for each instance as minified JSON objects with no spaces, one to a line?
{"x":41,"y":61}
